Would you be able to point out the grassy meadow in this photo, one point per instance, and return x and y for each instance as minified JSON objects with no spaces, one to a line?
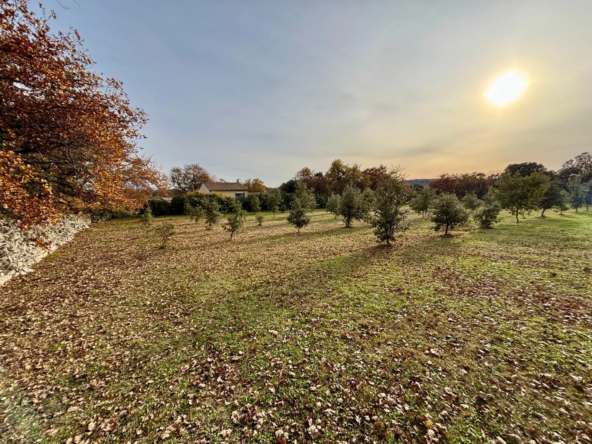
{"x":325,"y":337}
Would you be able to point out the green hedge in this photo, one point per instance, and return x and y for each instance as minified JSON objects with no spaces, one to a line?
{"x":160,"y":207}
{"x":197,"y":199}
{"x":179,"y":204}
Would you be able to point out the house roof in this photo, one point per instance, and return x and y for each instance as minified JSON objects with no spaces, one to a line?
{"x":225,"y":186}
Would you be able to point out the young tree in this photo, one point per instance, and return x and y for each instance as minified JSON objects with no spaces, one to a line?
{"x":195,"y":213}
{"x":369,"y":198}
{"x":448,"y":212}
{"x":351,"y":205}
{"x":388,"y":216}
{"x":146,"y":217}
{"x":274,"y":197}
{"x":165,"y":230}
{"x":554,"y":197}
{"x":190,"y":177}
{"x":471,"y":202}
{"x":423,"y":201}
{"x":521,"y":194}
{"x":68,"y":137}
{"x":255,"y":204}
{"x":235,"y":220}
{"x":577,"y":192}
{"x":211,"y":213}
{"x":561,"y":204}
{"x":298,"y":216}
{"x":488,"y":213}
{"x":260,"y":218}
{"x":333,"y":204}
{"x":305,"y":196}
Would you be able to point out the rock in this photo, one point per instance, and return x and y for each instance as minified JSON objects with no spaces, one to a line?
{"x":18,"y":252}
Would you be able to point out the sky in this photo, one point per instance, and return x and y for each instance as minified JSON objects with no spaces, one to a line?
{"x":264,"y":88}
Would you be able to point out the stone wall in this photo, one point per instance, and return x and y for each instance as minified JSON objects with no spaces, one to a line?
{"x":18,"y":254}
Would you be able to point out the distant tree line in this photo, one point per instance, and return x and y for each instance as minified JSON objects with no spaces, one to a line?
{"x":382,"y":197}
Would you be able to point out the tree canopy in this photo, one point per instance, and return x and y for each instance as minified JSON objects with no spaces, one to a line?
{"x":68,"y":136}
{"x":190,"y":177}
{"x":521,"y":194}
{"x":448,"y":212}
{"x":255,"y":185}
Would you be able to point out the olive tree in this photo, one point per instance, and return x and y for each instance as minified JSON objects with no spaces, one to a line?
{"x":448,"y":212}
{"x":388,"y":216}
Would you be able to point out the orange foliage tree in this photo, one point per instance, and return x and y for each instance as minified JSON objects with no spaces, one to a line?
{"x":255,"y":185}
{"x":68,"y":136}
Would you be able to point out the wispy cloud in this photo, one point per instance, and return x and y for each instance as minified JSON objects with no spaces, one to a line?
{"x":264,"y":88}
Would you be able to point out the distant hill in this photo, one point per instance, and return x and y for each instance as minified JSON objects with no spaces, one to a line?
{"x":422,"y":182}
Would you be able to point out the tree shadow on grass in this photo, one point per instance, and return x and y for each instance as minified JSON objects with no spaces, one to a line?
{"x":307,"y":289}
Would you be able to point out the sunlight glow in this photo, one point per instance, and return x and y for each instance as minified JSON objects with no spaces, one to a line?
{"x":506,"y":88}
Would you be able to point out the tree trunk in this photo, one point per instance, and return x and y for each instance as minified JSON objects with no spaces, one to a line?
{"x":231,"y":234}
{"x":543,"y":213}
{"x":517,"y":220}
{"x":446,"y":231}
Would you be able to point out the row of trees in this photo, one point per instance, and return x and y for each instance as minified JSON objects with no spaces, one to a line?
{"x":381,"y":207}
{"x":520,"y":189}
{"x":340,"y":175}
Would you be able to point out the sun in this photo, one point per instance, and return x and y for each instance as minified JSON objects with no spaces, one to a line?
{"x":506,"y":88}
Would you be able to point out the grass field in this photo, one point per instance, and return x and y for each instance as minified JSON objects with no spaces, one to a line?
{"x":322,"y":337}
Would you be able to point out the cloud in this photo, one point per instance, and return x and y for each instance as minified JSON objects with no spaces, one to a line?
{"x":263,"y":89}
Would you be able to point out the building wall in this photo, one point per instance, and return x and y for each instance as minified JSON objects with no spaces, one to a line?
{"x":230,"y":193}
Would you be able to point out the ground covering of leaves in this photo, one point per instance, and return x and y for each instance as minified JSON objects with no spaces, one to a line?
{"x":323,"y":337}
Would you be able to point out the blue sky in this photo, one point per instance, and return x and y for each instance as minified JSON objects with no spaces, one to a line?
{"x":264,"y":88}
